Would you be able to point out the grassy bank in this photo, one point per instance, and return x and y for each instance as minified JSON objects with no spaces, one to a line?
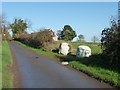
{"x":7,"y":75}
{"x":99,"y":73}
{"x":41,"y":52}
{"x":93,"y":66}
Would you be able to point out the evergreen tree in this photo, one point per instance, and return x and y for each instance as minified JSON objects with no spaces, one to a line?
{"x":18,"y":27}
{"x":68,"y":33}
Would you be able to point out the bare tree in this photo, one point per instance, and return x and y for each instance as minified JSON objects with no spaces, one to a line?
{"x":59,"y":34}
{"x":81,"y":38}
{"x":94,"y":39}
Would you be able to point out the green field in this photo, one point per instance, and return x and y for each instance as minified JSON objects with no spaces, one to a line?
{"x":95,"y":47}
{"x":7,"y":75}
{"x":94,"y":66}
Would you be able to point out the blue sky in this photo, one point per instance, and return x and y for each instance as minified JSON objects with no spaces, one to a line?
{"x":87,"y":18}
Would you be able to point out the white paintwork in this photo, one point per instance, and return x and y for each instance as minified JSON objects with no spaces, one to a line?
{"x":64,"y":48}
{"x":64,"y":63}
{"x":83,"y":51}
{"x":55,"y":38}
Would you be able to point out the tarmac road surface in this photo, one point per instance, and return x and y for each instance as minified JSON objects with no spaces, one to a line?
{"x":37,"y":71}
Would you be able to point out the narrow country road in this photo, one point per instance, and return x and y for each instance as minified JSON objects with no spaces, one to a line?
{"x":41,"y":72}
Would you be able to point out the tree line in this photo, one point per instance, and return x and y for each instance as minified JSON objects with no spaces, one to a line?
{"x":19,"y":26}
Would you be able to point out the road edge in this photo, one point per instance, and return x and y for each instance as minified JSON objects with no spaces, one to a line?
{"x":15,"y":70}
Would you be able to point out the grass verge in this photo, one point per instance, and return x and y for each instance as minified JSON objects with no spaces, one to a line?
{"x":41,"y":52}
{"x":91,"y":66}
{"x":106,"y":75}
{"x":7,"y":75}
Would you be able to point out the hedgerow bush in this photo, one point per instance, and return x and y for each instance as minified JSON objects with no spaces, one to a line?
{"x":111,"y":45}
{"x":40,"y":39}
